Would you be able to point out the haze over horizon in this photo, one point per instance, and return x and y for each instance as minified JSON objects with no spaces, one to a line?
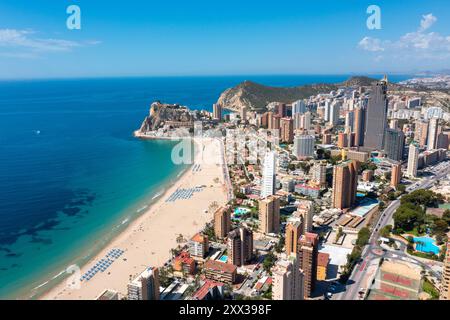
{"x":204,"y":38}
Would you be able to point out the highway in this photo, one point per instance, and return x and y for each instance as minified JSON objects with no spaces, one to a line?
{"x":372,"y":252}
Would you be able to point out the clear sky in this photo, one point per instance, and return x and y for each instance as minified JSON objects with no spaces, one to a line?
{"x":197,"y":37}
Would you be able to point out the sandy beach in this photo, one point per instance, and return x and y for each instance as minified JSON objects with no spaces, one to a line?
{"x":148,"y":240}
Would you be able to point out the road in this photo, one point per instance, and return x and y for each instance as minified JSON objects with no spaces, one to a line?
{"x":372,"y":252}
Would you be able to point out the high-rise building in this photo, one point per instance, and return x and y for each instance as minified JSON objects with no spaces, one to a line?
{"x":298,"y":107}
{"x":394,"y":124}
{"x":269,"y":174}
{"x":269,"y":215}
{"x":294,"y":229}
{"x":307,"y":256}
{"x":345,"y":183}
{"x":359,"y":126}
{"x":326,"y":138}
{"x":323,"y":260}
{"x":217,"y":111}
{"x":350,"y":120}
{"x":421,"y":132}
{"x":319,"y":174}
{"x":376,"y":117}
{"x":396,"y":175}
{"x":342,"y":140}
{"x":287,"y":279}
{"x":445,"y":283}
{"x":334,"y":113}
{"x":442,"y":141}
{"x":305,"y":209}
{"x":394,"y":144}
{"x":304,"y":146}
{"x":198,"y":246}
{"x":243,"y":113}
{"x":433,"y":134}
{"x":327,"y":110}
{"x":222,"y":222}
{"x":240,"y":246}
{"x":413,"y":160}
{"x":302,"y":121}
{"x":145,"y":286}
{"x":287,"y":130}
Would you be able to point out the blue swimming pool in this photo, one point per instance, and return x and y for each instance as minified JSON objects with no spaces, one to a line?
{"x":426,"y":244}
{"x":240,"y":211}
{"x":223,"y":258}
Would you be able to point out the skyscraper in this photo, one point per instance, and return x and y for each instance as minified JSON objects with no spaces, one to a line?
{"x":394,"y":144}
{"x":334,"y":113}
{"x":376,"y":117}
{"x":287,"y":130}
{"x":307,"y":256}
{"x":269,"y":215}
{"x":345,"y":183}
{"x":240,"y":246}
{"x":298,"y":107}
{"x":222,"y":222}
{"x":304,"y":146}
{"x":421,"y":132}
{"x":294,"y":229}
{"x":396,"y":175}
{"x":145,"y":286}
{"x":268,"y":175}
{"x":305,"y":209}
{"x":319,"y":173}
{"x":433,"y":134}
{"x":359,"y":126}
{"x":287,"y":279}
{"x":217,"y":111}
{"x":413,"y":160}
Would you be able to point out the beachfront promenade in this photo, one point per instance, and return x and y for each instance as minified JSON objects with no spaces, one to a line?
{"x":148,"y":240}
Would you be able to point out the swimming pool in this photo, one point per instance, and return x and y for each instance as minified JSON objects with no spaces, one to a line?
{"x":426,"y":244}
{"x":240,"y":211}
{"x":223,"y":258}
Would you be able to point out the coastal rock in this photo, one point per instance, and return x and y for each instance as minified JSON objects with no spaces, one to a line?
{"x":171,"y":115}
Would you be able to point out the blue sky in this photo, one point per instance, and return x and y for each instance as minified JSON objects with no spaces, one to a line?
{"x":152,"y":38}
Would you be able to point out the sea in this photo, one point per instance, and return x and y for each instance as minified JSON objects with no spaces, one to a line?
{"x":72,"y":176}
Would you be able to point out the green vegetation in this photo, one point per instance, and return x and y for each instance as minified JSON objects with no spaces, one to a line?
{"x":269,"y":262}
{"x":363,"y":237}
{"x":386,"y":231}
{"x":367,"y":166}
{"x":411,"y":216}
{"x":429,"y":288}
{"x":355,"y":256}
{"x":280,"y":245}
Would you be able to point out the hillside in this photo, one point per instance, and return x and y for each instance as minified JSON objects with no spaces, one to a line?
{"x":256,"y":96}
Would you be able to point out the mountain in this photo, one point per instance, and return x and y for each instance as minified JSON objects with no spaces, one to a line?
{"x":256,"y":96}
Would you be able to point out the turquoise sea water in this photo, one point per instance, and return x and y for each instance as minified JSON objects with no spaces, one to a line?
{"x":72,"y":175}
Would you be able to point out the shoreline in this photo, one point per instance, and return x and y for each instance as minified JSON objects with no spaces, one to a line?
{"x":128,"y":216}
{"x":156,"y":223}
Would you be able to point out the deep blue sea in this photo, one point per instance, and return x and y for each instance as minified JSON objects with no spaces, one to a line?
{"x":71,"y":173}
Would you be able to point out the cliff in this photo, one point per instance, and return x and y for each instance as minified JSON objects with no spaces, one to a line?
{"x":161,"y":114}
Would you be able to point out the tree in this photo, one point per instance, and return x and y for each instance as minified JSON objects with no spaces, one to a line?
{"x":401,"y":188}
{"x":386,"y":231}
{"x":269,"y":262}
{"x":408,"y":216}
{"x":363,"y":237}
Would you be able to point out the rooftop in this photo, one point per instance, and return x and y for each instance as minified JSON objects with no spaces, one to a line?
{"x":220,"y":266}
